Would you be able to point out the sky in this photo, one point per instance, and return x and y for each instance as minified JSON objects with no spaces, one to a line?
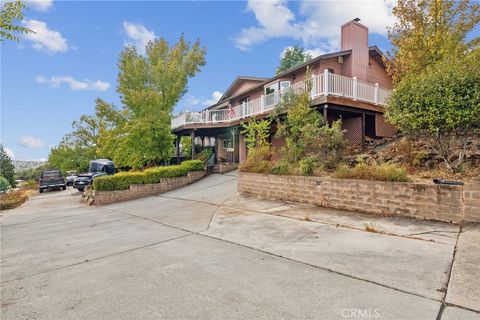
{"x":53,"y":76}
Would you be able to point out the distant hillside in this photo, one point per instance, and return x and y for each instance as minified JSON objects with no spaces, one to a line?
{"x":27,"y":164}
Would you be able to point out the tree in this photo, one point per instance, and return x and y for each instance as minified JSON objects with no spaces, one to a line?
{"x":79,"y":147}
{"x":442,"y":104}
{"x":292,"y":57}
{"x":4,"y":184}
{"x":427,"y":31}
{"x":7,"y":169}
{"x":149,"y":87}
{"x":10,"y":15}
{"x":309,"y":140}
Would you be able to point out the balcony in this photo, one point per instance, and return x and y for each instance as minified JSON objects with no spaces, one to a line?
{"x":322,"y":85}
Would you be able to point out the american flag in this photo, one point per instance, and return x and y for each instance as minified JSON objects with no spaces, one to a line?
{"x":231,"y":112}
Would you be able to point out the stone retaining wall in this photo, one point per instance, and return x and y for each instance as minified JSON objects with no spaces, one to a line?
{"x":144,"y":190}
{"x":424,"y":201}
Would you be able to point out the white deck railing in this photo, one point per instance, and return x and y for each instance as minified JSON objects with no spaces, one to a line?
{"x":322,"y":85}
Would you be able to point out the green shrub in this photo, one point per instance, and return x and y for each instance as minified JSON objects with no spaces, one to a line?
{"x":281,"y":167}
{"x":193,"y":165}
{"x":123,"y":180}
{"x":382,"y":172}
{"x":4,"y":184}
{"x":308,"y":165}
{"x":204,"y":155}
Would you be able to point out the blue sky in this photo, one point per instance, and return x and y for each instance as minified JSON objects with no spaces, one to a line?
{"x":49,"y":79}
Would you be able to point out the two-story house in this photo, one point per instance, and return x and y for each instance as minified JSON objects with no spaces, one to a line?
{"x":351,"y":84}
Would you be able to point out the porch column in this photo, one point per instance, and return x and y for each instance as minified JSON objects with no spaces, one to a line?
{"x":177,"y":146}
{"x":242,"y":149}
{"x":192,"y":137}
{"x":325,"y":112}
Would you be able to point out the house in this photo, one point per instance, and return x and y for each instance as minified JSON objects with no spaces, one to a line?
{"x":351,"y":84}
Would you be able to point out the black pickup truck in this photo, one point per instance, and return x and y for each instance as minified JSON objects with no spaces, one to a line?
{"x":51,"y":179}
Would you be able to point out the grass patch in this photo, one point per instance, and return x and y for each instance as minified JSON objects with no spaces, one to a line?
{"x":382,"y":172}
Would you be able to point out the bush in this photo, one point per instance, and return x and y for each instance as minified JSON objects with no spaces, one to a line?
{"x":13,"y":199}
{"x":4,"y":184}
{"x":258,"y":160}
{"x":193,"y":165}
{"x":382,"y":172}
{"x":204,"y":155}
{"x":308,"y":165}
{"x":123,"y":180}
{"x":281,"y":167}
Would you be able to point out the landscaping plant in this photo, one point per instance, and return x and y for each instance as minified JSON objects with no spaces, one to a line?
{"x":259,"y":149}
{"x":123,"y":180}
{"x":376,"y":172}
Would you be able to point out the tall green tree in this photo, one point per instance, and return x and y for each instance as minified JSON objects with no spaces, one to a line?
{"x":7,"y":169}
{"x":427,"y":31}
{"x":442,"y":104}
{"x":79,"y":147}
{"x":149,"y":87}
{"x":293,"y":57}
{"x":11,"y":16}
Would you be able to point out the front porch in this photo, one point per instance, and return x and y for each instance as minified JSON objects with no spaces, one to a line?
{"x":226,"y":143}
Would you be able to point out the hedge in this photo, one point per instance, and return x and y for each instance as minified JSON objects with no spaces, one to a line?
{"x":123,"y":180}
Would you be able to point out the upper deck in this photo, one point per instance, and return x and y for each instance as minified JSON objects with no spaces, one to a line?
{"x":324,"y":85}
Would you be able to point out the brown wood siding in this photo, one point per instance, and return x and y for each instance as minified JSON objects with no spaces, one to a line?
{"x":377,"y":74}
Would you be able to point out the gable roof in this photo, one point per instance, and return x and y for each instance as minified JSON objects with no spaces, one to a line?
{"x":237,"y":81}
{"x":373,"y":51}
{"x":377,"y":54}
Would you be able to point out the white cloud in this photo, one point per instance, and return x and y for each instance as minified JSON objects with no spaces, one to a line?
{"x":138,"y":35}
{"x":44,"y":39}
{"x":9,"y":152}
{"x":191,"y":102}
{"x":216,"y":95}
{"x":320,"y":26}
{"x":31,"y":142}
{"x":57,"y":81}
{"x":39,"y":5}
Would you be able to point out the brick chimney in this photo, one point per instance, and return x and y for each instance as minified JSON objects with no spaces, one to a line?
{"x":355,"y":38}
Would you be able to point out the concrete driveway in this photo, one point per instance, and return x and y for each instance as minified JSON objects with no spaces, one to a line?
{"x":206,"y":252}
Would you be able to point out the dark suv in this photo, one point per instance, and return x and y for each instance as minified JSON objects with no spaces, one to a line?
{"x":51,"y":179}
{"x":86,"y":179}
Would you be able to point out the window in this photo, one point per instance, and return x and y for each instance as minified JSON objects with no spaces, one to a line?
{"x":284,"y":85}
{"x":271,"y":88}
{"x":244,"y":100}
{"x":227,"y":143}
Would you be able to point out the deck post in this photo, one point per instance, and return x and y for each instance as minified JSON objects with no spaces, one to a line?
{"x":325,"y":82}
{"x":192,"y":137}
{"x":355,"y":86}
{"x":262,"y":103}
{"x":375,"y":97}
{"x":314,"y":86}
{"x":177,"y":145}
{"x":325,"y":113}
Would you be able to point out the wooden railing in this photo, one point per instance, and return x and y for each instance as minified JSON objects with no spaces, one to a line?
{"x":320,"y":85}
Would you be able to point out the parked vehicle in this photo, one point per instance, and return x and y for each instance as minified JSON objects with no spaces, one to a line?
{"x":71,"y":176}
{"x":51,"y":179}
{"x":102,"y":165}
{"x":86,"y":179}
